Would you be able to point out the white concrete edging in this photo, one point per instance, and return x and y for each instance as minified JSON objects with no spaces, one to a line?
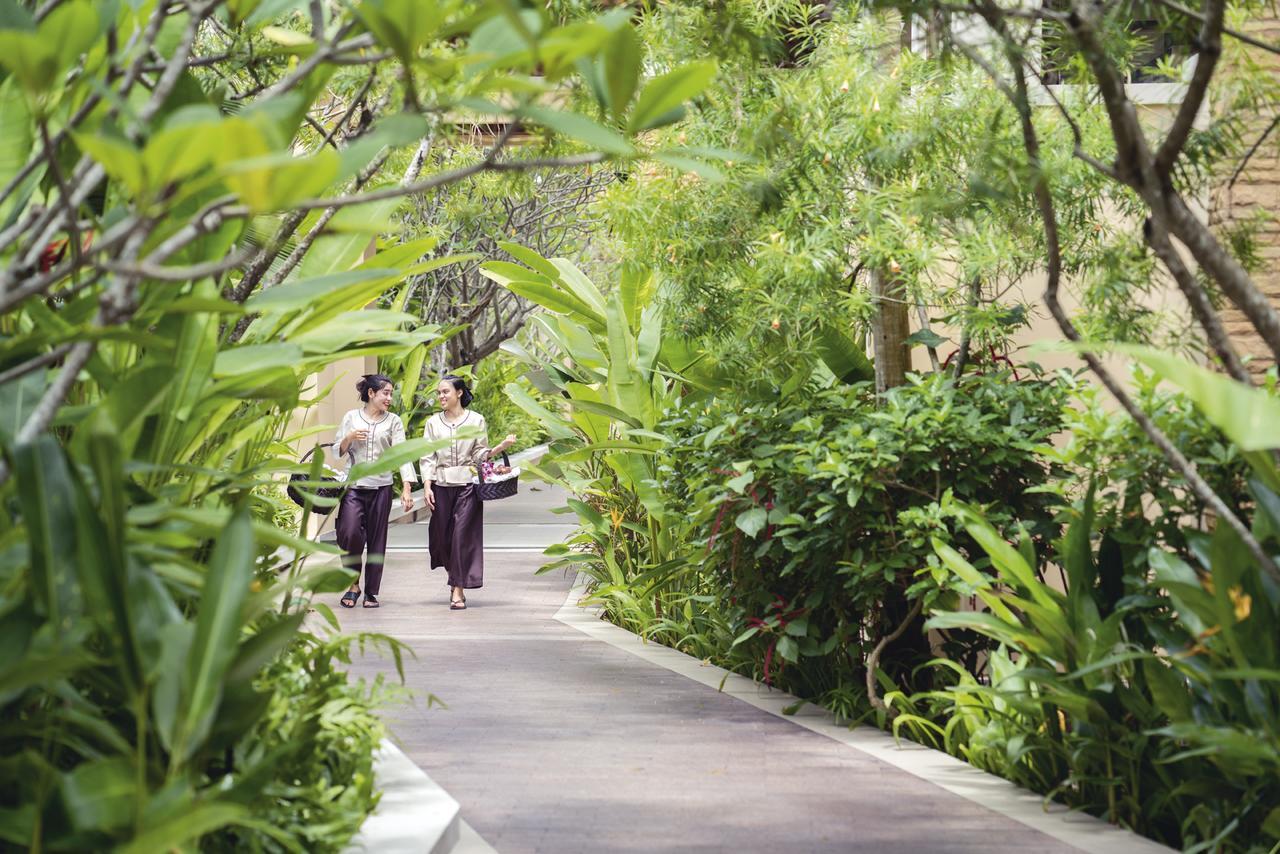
{"x":414,"y":813}
{"x":954,"y":775}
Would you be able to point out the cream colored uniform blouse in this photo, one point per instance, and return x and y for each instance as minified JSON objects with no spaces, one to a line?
{"x":454,"y":464}
{"x":381,"y":436}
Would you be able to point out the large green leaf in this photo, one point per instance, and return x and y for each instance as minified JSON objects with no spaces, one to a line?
{"x":556,"y":426}
{"x":173,"y":832}
{"x":530,"y":258}
{"x":18,"y":400}
{"x":554,"y":299}
{"x":1248,"y":416}
{"x":622,"y":64}
{"x":38,"y":59}
{"x":663,"y":96}
{"x":217,"y":631}
{"x":581,"y":128}
{"x":405,"y":453}
{"x":339,"y":252}
{"x":102,"y":563}
{"x":256,"y":358}
{"x":45,"y":491}
{"x":300,"y":294}
{"x":18,"y":136}
{"x":402,"y":25}
{"x":194,"y":357}
{"x":845,"y":356}
{"x":576,"y":282}
{"x":100,"y":794}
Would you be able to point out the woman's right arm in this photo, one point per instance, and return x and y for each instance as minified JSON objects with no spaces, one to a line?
{"x":427,"y":465}
{"x":343,"y":438}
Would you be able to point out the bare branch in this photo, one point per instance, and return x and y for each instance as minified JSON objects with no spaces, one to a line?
{"x":1253,"y":149}
{"x":42,"y":416}
{"x":1198,"y":300}
{"x":1225,"y":270}
{"x":1078,"y":150}
{"x":304,"y":245}
{"x":1197,"y":88}
{"x":441,"y":179}
{"x":323,"y":54}
{"x":147,"y":269}
{"x":873,"y":660}
{"x":35,"y":364}
{"x":1044,"y":202}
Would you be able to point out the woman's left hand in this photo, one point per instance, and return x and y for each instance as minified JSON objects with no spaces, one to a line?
{"x":406,"y":499}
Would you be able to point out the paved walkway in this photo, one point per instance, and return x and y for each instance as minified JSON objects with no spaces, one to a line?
{"x":553,"y":741}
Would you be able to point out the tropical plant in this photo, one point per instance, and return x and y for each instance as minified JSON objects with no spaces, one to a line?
{"x":607,"y":356}
{"x":1144,"y":698}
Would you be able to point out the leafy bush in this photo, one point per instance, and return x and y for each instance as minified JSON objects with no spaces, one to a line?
{"x":813,"y":515}
{"x":319,"y":733}
{"x":1140,"y":499}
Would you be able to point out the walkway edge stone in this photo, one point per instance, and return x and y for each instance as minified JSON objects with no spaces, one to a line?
{"x":954,"y":775}
{"x":414,"y":814}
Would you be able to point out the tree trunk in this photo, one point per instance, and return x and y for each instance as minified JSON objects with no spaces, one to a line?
{"x":890,"y":327}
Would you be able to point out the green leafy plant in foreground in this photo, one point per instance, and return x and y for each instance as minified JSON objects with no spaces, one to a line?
{"x":1155,"y":710}
{"x":190,"y":194}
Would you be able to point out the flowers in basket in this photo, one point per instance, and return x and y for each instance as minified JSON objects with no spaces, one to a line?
{"x":490,"y":471}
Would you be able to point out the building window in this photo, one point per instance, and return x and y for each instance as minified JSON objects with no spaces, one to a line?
{"x":1153,"y":45}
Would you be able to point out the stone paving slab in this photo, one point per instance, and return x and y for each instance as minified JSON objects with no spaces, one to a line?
{"x":554,"y":741}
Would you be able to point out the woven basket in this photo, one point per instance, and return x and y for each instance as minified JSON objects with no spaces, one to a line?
{"x":298,"y":482}
{"x":493,"y":490}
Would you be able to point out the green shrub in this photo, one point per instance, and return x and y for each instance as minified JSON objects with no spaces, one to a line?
{"x":320,"y":731}
{"x":1140,"y":499}
{"x":812,"y":516}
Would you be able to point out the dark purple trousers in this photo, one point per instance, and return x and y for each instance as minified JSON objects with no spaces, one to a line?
{"x":362,"y":523}
{"x":455,"y":536}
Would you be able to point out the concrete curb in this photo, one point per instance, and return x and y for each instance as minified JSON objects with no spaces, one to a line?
{"x":414,"y":814}
{"x":954,"y":775}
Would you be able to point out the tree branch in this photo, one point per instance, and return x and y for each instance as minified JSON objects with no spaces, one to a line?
{"x":1044,"y":202}
{"x":1201,"y":307}
{"x":35,"y":364}
{"x":1206,"y":61}
{"x":873,"y":660}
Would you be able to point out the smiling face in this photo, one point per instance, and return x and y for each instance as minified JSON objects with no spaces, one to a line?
{"x":447,"y":396}
{"x":380,"y":400}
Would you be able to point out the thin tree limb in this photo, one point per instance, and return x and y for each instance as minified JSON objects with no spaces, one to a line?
{"x":35,"y":364}
{"x":1198,"y":87}
{"x":873,"y":660}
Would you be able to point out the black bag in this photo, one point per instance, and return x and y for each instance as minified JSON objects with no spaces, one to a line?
{"x":493,"y":490}
{"x":334,"y":491}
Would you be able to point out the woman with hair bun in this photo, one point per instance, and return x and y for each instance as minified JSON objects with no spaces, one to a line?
{"x":456,"y":531}
{"x":365,"y":509}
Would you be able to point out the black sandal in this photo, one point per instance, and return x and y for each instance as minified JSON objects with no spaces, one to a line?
{"x":370,"y":601}
{"x":349,"y":599}
{"x":458,"y":605}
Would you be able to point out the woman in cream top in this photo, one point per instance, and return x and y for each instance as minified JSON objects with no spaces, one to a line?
{"x":455,"y":535}
{"x":365,"y":508}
